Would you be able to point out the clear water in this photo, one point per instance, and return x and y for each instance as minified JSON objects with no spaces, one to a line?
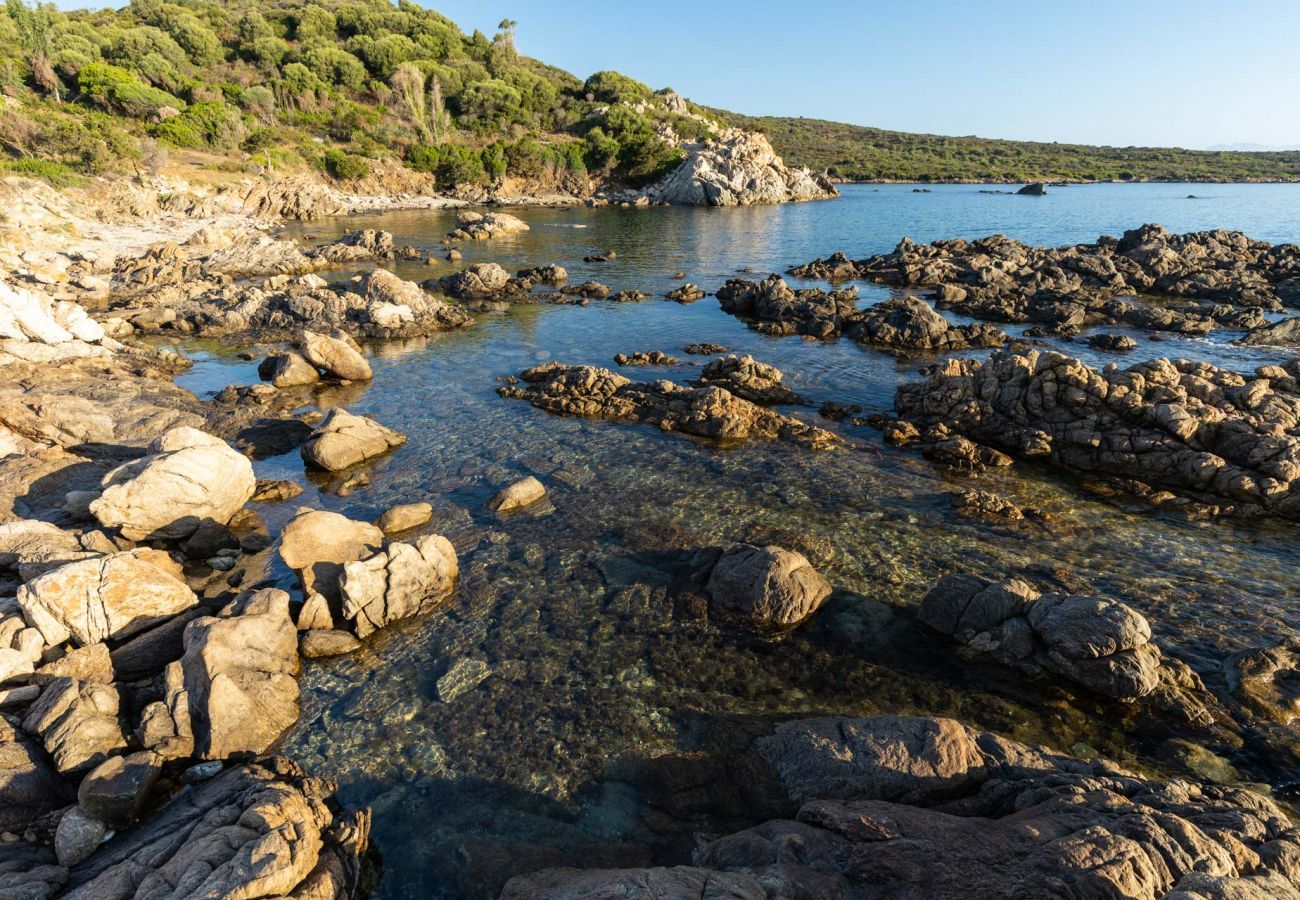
{"x":593,"y":739}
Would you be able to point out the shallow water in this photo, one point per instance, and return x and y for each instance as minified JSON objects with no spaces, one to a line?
{"x":595,"y":668}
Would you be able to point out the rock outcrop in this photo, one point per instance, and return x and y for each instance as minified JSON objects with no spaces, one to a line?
{"x":263,"y":829}
{"x":473,"y":226}
{"x":749,"y":379}
{"x":1096,"y":642}
{"x":913,"y":808}
{"x":1222,"y":279}
{"x":736,"y":168}
{"x":188,"y":478}
{"x":707,"y":412}
{"x":1189,"y":427}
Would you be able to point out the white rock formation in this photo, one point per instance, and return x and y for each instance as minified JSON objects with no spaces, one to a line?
{"x":736,"y":168}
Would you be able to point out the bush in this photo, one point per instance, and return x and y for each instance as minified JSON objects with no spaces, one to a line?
{"x":451,"y":165}
{"x":315,"y":23}
{"x":332,"y":65}
{"x":601,"y":150}
{"x":615,"y":87}
{"x":299,"y":81}
{"x":56,"y":173}
{"x":207,"y":124}
{"x":114,"y":88}
{"x":488,"y":105}
{"x":344,"y":166}
{"x":200,"y":42}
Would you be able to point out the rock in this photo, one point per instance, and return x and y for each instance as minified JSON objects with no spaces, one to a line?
{"x":645,"y":358}
{"x":16,"y":697}
{"x":749,"y":379}
{"x":686,"y":293}
{"x":115,"y":792}
{"x":1266,"y":681}
{"x":235,"y":688}
{"x":79,"y":834}
{"x":897,"y":806}
{"x":401,"y":581}
{"x":1037,"y":189}
{"x":708,"y":412}
{"x":31,"y":547}
{"x":464,"y":674}
{"x":335,"y":354}
{"x":287,"y":369}
{"x":1112,"y":343}
{"x":1283,"y":333}
{"x":30,"y":786}
{"x":704,"y":349}
{"x":735,"y":168}
{"x":263,"y":829}
{"x":187,"y":478}
{"x":148,"y":653}
{"x":77,"y":721}
{"x":404,"y":517}
{"x":480,"y":227}
{"x":343,"y":439}
{"x":274,"y":491}
{"x":766,"y":588}
{"x":592,"y":290}
{"x":395,"y":307}
{"x":316,"y":545}
{"x":974,"y":504}
{"x":113,"y":596}
{"x":547,"y":274}
{"x":773,"y":307}
{"x":1190,"y":427}
{"x":318,"y":643}
{"x":1216,"y":279}
{"x":1098,"y":643}
{"x":909,"y":324}
{"x":315,"y":613}
{"x":91,"y":663}
{"x":479,"y":281}
{"x":517,"y":495}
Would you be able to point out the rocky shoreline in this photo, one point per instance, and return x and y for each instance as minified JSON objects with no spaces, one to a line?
{"x":150,"y":661}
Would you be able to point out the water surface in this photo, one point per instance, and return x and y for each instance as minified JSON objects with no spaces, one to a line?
{"x":592,"y":740}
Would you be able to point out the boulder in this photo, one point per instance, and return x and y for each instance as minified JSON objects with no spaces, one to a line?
{"x":318,"y":643}
{"x":401,"y":581}
{"x":30,"y":786}
{"x":235,"y":688}
{"x":517,"y":495}
{"x":187,"y":478}
{"x":287,"y":369}
{"x":317,"y":544}
{"x":733,"y":167}
{"x":78,"y":835}
{"x":115,"y":791}
{"x":766,"y":588}
{"x":335,"y":354}
{"x":78,"y":723}
{"x":343,"y":439}
{"x":749,"y":379}
{"x":114,"y":596}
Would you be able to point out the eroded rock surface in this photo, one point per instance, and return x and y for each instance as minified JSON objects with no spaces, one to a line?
{"x":913,"y":808}
{"x":400,"y":581}
{"x":343,"y":439}
{"x":708,"y":412}
{"x":1186,"y":426}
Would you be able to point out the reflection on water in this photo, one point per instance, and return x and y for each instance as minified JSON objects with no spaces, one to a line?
{"x":590,"y":742}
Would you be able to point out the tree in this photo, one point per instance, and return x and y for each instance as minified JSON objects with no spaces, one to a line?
{"x":35,"y":26}
{"x":422,"y":108}
{"x":506,"y":36}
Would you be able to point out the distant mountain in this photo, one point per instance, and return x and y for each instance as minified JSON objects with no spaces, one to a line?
{"x":1254,"y":148}
{"x":859,"y":153}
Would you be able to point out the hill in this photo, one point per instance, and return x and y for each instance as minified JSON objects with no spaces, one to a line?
{"x":858,"y":153}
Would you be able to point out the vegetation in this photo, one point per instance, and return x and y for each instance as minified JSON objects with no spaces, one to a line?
{"x":336,"y":84}
{"x":351,"y":86}
{"x":855,"y":153}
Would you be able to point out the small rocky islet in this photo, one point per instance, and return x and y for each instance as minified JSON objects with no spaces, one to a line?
{"x":770,"y":712}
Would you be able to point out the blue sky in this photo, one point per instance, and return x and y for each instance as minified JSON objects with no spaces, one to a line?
{"x":1152,"y":72}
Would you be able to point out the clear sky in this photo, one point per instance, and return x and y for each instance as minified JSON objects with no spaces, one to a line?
{"x":1195,"y":73}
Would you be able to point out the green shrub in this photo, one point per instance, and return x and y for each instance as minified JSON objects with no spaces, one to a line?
{"x":315,"y":23}
{"x":450,"y":164}
{"x":344,"y":166}
{"x":56,"y":173}
{"x":601,"y":150}
{"x":200,"y":42}
{"x":615,"y":87}
{"x":207,"y":124}
{"x":335,"y":66}
{"x":488,"y":105}
{"x":299,"y":81}
{"x":113,"y":88}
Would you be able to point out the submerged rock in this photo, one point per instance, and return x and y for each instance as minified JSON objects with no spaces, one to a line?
{"x":404,"y":517}
{"x":708,"y":412}
{"x":517,"y":495}
{"x":1187,"y":426}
